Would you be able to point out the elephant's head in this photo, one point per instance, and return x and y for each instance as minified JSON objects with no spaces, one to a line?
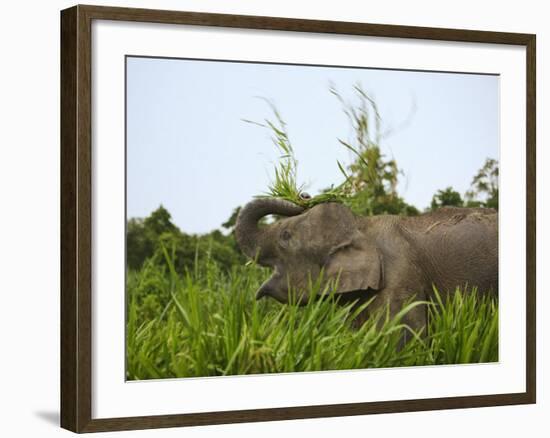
{"x":305,"y":242}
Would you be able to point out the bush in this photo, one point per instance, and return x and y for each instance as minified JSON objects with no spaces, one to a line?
{"x":145,"y":239}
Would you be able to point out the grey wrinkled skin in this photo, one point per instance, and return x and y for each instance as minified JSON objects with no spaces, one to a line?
{"x":391,"y":258}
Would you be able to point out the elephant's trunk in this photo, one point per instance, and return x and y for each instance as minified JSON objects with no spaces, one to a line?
{"x":252,"y":239}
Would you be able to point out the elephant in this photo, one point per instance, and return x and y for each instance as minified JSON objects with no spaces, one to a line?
{"x":387,"y":258}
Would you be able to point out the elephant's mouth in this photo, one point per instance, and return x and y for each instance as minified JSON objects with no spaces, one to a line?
{"x":267,"y":289}
{"x":269,"y":292}
{"x":359,"y":296}
{"x":272,"y":288}
{"x":264,"y":291}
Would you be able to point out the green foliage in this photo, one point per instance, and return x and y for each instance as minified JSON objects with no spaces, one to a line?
{"x":146,"y":238}
{"x":230,"y":223}
{"x":372,"y":178}
{"x":446,"y":198}
{"x":370,"y":181}
{"x":285,"y":180}
{"x":188,"y":248}
{"x":206,"y":322}
{"x":140,"y":243}
{"x":159,"y":222}
{"x":463,"y":327}
{"x":484,"y":189}
{"x":142,"y":235}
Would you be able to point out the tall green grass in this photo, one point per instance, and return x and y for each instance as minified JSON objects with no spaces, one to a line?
{"x":206,"y":322}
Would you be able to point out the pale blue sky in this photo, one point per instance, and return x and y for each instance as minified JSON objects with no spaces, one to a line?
{"x":188,"y":148}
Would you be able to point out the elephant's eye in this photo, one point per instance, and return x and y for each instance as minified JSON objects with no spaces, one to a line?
{"x":285,"y":235}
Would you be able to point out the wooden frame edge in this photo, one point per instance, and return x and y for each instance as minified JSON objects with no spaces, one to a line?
{"x":76,"y":224}
{"x":302,"y":413}
{"x":531,"y":218}
{"x":68,"y":345}
{"x":75,"y":230}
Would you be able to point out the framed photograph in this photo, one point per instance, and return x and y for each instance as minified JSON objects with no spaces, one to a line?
{"x":270,"y":218}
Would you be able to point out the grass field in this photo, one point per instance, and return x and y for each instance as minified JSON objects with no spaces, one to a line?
{"x":206,"y":322}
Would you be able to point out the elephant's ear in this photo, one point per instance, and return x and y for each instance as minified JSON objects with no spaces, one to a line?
{"x":356,"y":265}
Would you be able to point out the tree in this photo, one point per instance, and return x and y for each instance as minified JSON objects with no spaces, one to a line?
{"x":192,"y":251}
{"x":484,"y":187}
{"x":150,"y":238}
{"x":159,"y":221}
{"x":142,"y":235}
{"x":230,"y":223}
{"x":139,"y":244}
{"x":446,"y":198}
{"x":372,"y":178}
